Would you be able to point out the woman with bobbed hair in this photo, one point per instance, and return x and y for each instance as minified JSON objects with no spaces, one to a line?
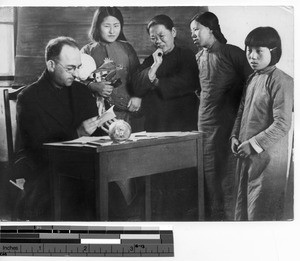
{"x":109,"y":44}
{"x":260,"y":133}
{"x":223,"y":70}
{"x":100,"y":14}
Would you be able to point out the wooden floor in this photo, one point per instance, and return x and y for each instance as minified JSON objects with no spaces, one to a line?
{"x":8,"y":193}
{"x":162,"y":209}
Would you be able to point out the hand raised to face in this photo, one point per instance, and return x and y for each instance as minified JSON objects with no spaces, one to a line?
{"x":158,"y":56}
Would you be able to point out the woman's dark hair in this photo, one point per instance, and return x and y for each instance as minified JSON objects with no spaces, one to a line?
{"x":54,"y":47}
{"x":161,"y":19}
{"x":211,"y":21}
{"x":266,"y":37}
{"x":99,"y":16}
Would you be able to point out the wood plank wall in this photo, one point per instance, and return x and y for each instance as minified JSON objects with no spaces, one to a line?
{"x":37,"y":25}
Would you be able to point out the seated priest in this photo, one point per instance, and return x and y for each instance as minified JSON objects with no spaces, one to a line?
{"x":52,"y":109}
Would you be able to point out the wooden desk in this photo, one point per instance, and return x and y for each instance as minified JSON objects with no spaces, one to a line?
{"x":129,"y":160}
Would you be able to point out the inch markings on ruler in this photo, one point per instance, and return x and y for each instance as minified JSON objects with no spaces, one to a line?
{"x":86,"y":241}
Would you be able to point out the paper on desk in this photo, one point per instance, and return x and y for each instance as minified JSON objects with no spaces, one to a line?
{"x":143,"y":135}
{"x":92,"y":139}
{"x":153,"y":135}
{"x":61,"y":144}
{"x":170,"y":134}
{"x":106,"y":141}
{"x":85,"y":139}
{"x":101,"y":142}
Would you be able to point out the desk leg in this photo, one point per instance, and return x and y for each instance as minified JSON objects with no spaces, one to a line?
{"x":55,"y":187}
{"x":200,"y":170}
{"x":101,"y":189}
{"x":148,"y":198}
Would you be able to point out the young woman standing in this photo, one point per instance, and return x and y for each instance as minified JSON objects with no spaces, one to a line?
{"x":109,"y":43}
{"x":223,"y":70}
{"x":260,"y":133}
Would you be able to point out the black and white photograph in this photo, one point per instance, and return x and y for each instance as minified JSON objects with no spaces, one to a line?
{"x":171,"y":114}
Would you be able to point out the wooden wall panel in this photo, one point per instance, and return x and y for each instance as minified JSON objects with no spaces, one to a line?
{"x":28,"y":69}
{"x":56,"y":15}
{"x":142,"y":15}
{"x":33,"y":43}
{"x":37,"y":25}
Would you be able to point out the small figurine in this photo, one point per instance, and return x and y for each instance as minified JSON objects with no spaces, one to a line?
{"x":119,"y":131}
{"x":106,"y":72}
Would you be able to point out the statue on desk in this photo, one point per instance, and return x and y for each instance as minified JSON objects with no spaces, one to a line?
{"x":119,"y":131}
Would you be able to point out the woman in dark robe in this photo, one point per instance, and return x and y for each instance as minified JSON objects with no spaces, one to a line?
{"x":166,"y":82}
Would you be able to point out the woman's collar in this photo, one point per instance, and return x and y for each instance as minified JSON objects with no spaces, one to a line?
{"x":266,"y":69}
{"x":102,"y":43}
{"x":172,"y":51}
{"x":214,"y":46}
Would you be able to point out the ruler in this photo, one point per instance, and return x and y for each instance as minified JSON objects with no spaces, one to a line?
{"x":109,"y":241}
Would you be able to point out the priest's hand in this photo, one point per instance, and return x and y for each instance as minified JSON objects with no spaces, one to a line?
{"x":88,"y":126}
{"x":107,"y":124}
